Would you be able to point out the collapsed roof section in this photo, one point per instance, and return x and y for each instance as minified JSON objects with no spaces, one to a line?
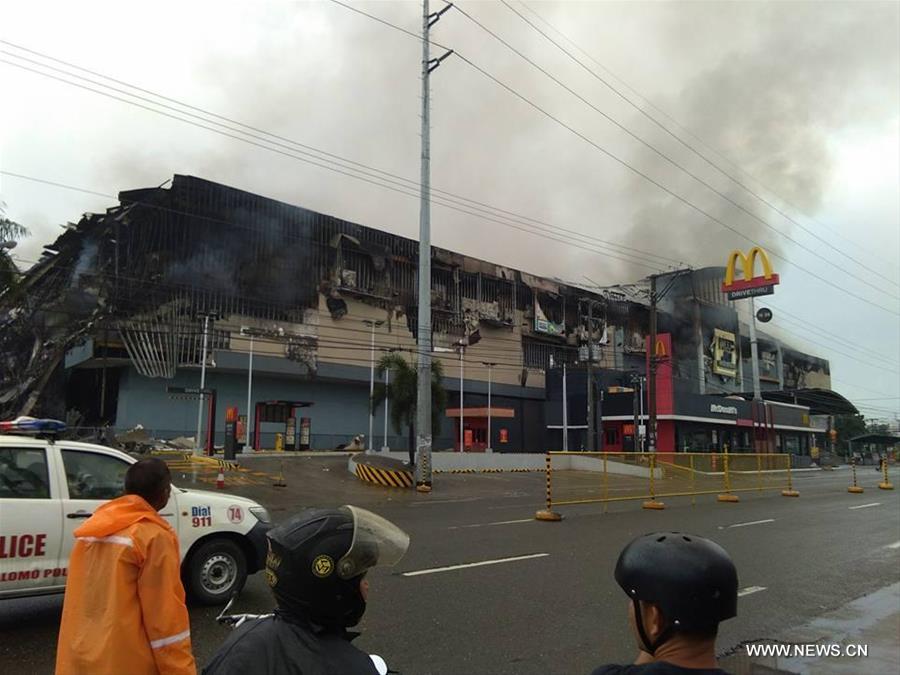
{"x":143,"y":271}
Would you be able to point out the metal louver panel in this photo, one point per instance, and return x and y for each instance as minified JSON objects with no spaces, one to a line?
{"x":152,"y":345}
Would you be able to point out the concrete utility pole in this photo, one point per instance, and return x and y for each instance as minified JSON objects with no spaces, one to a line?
{"x":198,"y":445}
{"x":590,"y":378}
{"x":423,"y":397}
{"x":651,"y":350}
{"x":651,"y":376}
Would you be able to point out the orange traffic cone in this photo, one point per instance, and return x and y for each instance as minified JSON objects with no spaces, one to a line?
{"x":220,"y":479}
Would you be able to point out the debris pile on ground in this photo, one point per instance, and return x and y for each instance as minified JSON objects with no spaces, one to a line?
{"x":358,"y":443}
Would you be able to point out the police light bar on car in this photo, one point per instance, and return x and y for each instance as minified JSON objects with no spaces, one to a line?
{"x":32,"y":425}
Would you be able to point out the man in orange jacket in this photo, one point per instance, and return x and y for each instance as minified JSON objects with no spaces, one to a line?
{"x":124,"y":608}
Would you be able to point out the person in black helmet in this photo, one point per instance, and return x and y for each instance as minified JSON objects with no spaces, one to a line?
{"x":316,"y":568}
{"x":681,"y":587}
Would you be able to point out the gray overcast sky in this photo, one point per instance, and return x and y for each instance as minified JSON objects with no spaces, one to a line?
{"x":800,"y":101}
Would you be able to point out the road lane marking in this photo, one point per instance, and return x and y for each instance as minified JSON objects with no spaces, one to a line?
{"x":750,"y":590}
{"x":865,"y":506}
{"x":896,"y":544}
{"x":444,"y":501}
{"x":450,"y":568}
{"x":752,"y":522}
{"x":499,"y":522}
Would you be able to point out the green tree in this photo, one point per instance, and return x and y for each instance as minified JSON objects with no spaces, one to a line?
{"x":847,"y":427}
{"x":10,"y":231}
{"x":877,"y":428}
{"x":402,"y":393}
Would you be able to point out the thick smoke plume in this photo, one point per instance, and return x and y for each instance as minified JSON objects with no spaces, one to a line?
{"x":771,"y":107}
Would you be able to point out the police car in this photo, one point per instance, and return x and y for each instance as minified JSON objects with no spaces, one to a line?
{"x":49,"y":487}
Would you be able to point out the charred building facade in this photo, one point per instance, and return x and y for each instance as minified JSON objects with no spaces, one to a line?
{"x":107,"y":327}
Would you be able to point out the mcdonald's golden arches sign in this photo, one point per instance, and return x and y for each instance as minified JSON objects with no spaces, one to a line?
{"x":659,"y":351}
{"x":749,"y":285}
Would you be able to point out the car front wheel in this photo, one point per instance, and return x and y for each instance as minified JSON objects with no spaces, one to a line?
{"x":217,"y":570}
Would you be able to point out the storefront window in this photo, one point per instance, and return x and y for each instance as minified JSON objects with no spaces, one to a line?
{"x":612,"y":437}
{"x":791,"y":444}
{"x":697,"y":441}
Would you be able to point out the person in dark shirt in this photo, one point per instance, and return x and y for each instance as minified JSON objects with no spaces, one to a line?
{"x":316,"y":567}
{"x":681,"y":587}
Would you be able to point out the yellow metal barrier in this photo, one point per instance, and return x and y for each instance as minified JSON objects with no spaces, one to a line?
{"x":605,"y":477}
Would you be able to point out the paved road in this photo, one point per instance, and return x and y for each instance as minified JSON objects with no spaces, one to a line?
{"x":558,"y":611}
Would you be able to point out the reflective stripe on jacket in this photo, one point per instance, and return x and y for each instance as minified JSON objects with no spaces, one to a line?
{"x":124,"y":609}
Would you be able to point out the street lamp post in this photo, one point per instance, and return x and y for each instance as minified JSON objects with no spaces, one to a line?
{"x":250,"y":333}
{"x":462,"y":441}
{"x":565,"y":410}
{"x":206,"y":317}
{"x":387,"y":380}
{"x":373,"y":324}
{"x":249,"y":398}
{"x":490,"y":366}
{"x":642,"y":428}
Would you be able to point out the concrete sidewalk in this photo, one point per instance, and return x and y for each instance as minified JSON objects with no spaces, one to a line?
{"x":871,"y":622}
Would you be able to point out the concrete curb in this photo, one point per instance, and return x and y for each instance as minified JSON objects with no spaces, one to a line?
{"x":474,"y":463}
{"x":242,"y":456}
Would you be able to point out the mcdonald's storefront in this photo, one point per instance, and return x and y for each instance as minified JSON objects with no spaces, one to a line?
{"x":693,"y":422}
{"x":698,"y":423}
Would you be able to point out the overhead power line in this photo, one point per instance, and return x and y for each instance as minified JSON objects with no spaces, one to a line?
{"x":703,"y":157}
{"x":411,"y":182}
{"x":630,"y":167}
{"x":793,"y":319}
{"x":537,"y":227}
{"x":662,"y":154}
{"x":694,"y":136}
{"x":448,"y":205}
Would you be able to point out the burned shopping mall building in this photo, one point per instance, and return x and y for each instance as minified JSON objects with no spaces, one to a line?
{"x":109,"y":328}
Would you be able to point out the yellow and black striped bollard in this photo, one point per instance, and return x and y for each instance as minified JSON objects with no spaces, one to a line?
{"x":727,"y":496}
{"x":548,"y":514}
{"x":652,"y":503}
{"x":790,"y":492}
{"x":885,"y":484}
{"x":855,"y":488}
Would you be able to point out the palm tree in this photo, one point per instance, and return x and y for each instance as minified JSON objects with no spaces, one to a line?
{"x":402,"y":393}
{"x":9,"y":232}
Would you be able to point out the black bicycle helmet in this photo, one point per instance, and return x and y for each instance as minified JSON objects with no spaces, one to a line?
{"x":317,"y":559}
{"x":691,"y":579}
